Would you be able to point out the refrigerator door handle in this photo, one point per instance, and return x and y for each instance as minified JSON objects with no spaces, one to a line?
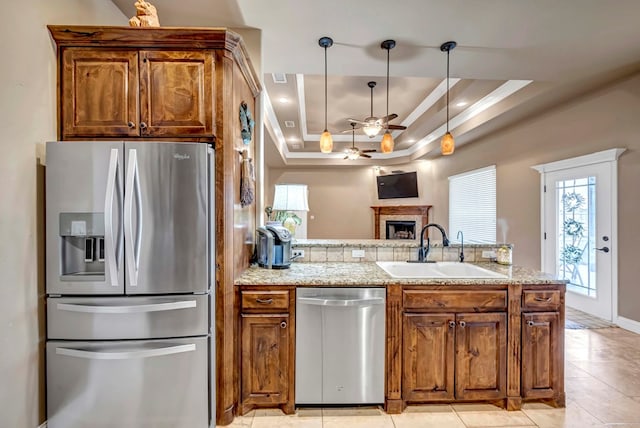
{"x":154,"y":307}
{"x":132,"y":250}
{"x":126,"y":355}
{"x":110,"y":242}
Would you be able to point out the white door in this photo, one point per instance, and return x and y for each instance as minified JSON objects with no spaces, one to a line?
{"x":579,"y":231}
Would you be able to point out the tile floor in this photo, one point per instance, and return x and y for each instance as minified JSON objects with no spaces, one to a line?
{"x":602,"y":383}
{"x":575,"y":319}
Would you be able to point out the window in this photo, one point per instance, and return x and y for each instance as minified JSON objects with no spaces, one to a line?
{"x":472,"y":205}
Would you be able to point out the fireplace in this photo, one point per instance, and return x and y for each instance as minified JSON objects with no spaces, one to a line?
{"x":401,"y":215}
{"x":400,"y":229}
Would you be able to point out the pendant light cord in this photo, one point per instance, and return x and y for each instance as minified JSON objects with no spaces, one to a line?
{"x":387,"y":90}
{"x":325,"y":88}
{"x":448,"y":50}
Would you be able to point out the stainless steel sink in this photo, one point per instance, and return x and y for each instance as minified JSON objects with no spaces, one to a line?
{"x":437,"y":270}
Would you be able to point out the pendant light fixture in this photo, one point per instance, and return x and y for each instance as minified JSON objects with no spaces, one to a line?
{"x":326,"y":141}
{"x":386,"y":145}
{"x":447,"y":144}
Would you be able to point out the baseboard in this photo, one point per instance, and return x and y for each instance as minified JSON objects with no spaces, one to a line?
{"x":44,"y":425}
{"x":628,"y":324}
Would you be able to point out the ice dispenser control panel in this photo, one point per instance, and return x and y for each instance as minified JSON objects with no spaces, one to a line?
{"x":82,"y":246}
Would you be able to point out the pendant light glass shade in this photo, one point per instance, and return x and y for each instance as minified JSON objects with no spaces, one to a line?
{"x":386,"y":145}
{"x":326,"y":141}
{"x":447,"y":144}
{"x":372,"y":129}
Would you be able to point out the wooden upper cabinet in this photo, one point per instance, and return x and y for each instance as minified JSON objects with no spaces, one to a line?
{"x":176,"y":93}
{"x":99,"y":93}
{"x":131,"y":93}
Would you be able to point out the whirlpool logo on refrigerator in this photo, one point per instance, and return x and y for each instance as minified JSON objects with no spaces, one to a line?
{"x":180,"y":156}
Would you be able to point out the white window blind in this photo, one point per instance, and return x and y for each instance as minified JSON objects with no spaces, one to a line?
{"x":472,"y":205}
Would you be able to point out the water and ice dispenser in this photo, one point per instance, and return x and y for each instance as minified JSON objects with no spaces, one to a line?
{"x":81,"y":246}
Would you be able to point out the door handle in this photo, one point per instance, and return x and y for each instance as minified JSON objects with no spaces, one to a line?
{"x":341,"y":302}
{"x":126,"y":355}
{"x":132,"y":253}
{"x":603,"y":249}
{"x":109,"y":240}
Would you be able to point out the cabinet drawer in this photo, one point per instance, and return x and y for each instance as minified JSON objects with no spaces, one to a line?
{"x":540,"y":300}
{"x":266,"y":300}
{"x":475,"y":300}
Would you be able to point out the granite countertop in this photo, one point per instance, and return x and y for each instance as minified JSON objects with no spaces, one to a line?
{"x":383,"y":243}
{"x":370,"y":274}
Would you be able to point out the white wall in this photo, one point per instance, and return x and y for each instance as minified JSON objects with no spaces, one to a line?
{"x":27,"y":120}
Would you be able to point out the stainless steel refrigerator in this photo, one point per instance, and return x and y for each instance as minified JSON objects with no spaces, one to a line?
{"x":130,"y":302}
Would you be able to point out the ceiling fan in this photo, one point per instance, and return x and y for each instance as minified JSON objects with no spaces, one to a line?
{"x":373,"y":125}
{"x":353,"y":152}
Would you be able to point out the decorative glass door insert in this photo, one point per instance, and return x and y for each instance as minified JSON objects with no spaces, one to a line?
{"x":575,"y":227}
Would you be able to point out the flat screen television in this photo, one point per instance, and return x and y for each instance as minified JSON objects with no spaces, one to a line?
{"x":401,"y":185}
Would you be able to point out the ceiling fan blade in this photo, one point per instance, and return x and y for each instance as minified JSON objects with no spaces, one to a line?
{"x":364,"y":155}
{"x":349,"y":131}
{"x":357,"y":121}
{"x":368,"y":151}
{"x":388,"y":118}
{"x":396,"y":127}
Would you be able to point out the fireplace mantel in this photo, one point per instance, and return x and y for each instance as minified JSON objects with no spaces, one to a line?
{"x":399,"y":210}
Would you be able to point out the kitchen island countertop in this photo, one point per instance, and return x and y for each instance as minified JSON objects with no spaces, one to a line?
{"x":370,"y":274}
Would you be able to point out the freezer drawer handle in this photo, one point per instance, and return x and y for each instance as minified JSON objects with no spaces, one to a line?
{"x":110,"y":241}
{"x":341,"y":302}
{"x":155,"y":307}
{"x":128,"y":355}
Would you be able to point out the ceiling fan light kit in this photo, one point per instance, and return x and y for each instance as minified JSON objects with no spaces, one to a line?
{"x":353,"y":153}
{"x":326,"y":141}
{"x":447,"y":144}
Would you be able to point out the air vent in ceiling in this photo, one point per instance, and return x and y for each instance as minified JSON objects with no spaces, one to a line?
{"x":289,"y":124}
{"x":279,"y":77}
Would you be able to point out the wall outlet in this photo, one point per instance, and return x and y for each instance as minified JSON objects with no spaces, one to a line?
{"x":489,"y":254}
{"x":298,"y":253}
{"x":356,"y":254}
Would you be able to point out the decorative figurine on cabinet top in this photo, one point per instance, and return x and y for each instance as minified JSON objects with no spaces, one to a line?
{"x":146,"y":15}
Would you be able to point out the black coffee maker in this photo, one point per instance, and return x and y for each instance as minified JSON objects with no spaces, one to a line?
{"x":273,"y":246}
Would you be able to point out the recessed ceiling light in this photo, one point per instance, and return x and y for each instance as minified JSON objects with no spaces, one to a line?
{"x":461,"y":104}
{"x":411,"y":140}
{"x":283,"y":100}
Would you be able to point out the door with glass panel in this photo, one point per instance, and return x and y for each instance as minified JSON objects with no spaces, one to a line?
{"x":577,"y":234}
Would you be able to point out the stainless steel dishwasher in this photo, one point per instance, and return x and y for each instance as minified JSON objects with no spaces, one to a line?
{"x":340,"y":345}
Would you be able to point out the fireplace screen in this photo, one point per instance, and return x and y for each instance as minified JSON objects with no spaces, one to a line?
{"x":401,"y":229}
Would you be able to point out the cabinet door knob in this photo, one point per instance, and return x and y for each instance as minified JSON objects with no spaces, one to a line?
{"x":143,"y":125}
{"x":131,"y":124}
{"x":264,"y":301}
{"x":452,"y":324}
{"x":283,"y":324}
{"x":463,"y":324}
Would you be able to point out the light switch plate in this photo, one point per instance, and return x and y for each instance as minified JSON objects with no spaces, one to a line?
{"x":356,"y":254}
{"x":489,"y":254}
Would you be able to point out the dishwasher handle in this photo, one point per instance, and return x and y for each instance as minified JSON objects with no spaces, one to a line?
{"x":321,"y":301}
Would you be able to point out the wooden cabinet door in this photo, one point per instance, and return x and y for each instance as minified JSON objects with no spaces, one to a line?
{"x":541,"y":355}
{"x":99,"y":93}
{"x":265,"y":362}
{"x":176,"y":93}
{"x":481,"y":356}
{"x":428,"y":361}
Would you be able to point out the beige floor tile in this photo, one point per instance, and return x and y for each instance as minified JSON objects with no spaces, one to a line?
{"x":493,"y":418}
{"x":475,"y":407}
{"x":286,"y":421}
{"x":434,"y":416}
{"x":623,"y":376}
{"x":352,"y":411}
{"x":379,"y":421}
{"x":572,"y":370}
{"x":573,"y":416}
{"x":611,"y":410}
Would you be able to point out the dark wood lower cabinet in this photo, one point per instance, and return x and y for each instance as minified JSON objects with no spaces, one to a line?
{"x":541,"y":356}
{"x":454,"y":356}
{"x":265,"y":359}
{"x":481,"y":356}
